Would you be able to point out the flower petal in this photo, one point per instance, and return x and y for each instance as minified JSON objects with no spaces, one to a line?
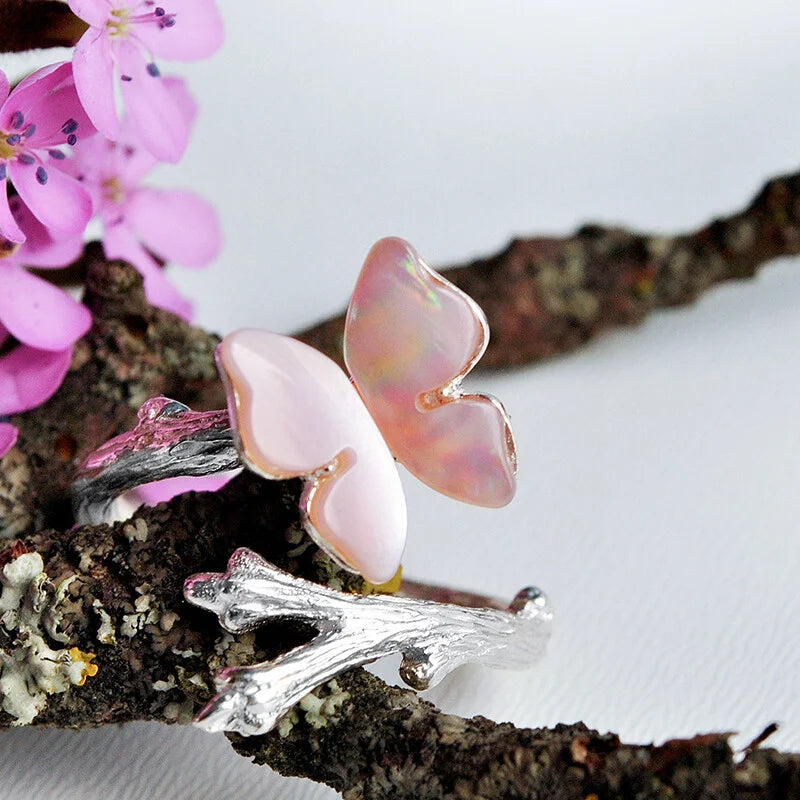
{"x":54,"y":254}
{"x":28,"y":92}
{"x":176,"y":226}
{"x":61,"y":202}
{"x":93,"y":67}
{"x":130,"y":161}
{"x":4,"y":87}
{"x":29,"y":376}
{"x":198,"y":31}
{"x":39,"y":314}
{"x":119,"y":242}
{"x":52,"y":112}
{"x":159,"y":123}
{"x":43,"y":247}
{"x":9,"y":229}
{"x":8,"y":437}
{"x":95,"y":12}
{"x":89,"y":161}
{"x":132,"y":164}
{"x":179,"y":92}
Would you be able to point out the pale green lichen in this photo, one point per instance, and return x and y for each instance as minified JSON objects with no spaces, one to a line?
{"x":562,"y":286}
{"x":295,"y":535}
{"x":318,"y":708}
{"x":331,"y":572}
{"x":15,"y":477}
{"x":53,"y":616}
{"x":136,"y":530}
{"x":106,"y":633}
{"x":188,"y":653}
{"x":741,"y":237}
{"x":143,"y":613}
{"x":181,"y":713}
{"x":31,"y":607}
{"x":168,"y":620}
{"x":232,"y":651}
{"x":659,"y":246}
{"x":451,"y":728}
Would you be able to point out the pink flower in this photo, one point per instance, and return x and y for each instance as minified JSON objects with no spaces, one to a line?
{"x":123,"y":38}
{"x":39,"y":323}
{"x":36,"y":119}
{"x":8,"y":437}
{"x":139,"y":221}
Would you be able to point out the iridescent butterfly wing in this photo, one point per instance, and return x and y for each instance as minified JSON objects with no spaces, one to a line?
{"x":296,"y":414}
{"x":410,"y":338}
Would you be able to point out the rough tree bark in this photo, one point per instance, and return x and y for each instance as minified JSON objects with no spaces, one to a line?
{"x":111,"y":595}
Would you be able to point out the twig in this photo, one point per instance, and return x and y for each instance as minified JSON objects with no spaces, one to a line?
{"x":33,"y":24}
{"x":546,"y":296}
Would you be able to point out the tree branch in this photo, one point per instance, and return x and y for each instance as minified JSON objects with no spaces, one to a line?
{"x":33,"y":24}
{"x":548,"y":295}
{"x":94,"y":628}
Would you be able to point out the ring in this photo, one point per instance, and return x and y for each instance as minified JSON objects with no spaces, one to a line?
{"x":410,"y":338}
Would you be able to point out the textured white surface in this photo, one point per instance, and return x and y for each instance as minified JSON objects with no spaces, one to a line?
{"x":659,"y":467}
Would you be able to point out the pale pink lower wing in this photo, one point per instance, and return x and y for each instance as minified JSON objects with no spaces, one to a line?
{"x":296,"y":414}
{"x":410,"y":337}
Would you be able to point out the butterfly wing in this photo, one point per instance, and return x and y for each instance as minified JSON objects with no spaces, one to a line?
{"x":410,"y":337}
{"x":296,"y":414}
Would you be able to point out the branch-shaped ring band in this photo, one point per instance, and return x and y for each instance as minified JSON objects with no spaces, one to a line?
{"x":433,"y":637}
{"x":435,"y":629}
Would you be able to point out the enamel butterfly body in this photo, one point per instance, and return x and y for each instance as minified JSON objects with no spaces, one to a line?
{"x":297,"y":415}
{"x":410,"y":338}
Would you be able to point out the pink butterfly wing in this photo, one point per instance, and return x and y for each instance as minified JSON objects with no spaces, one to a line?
{"x":410,"y":337}
{"x":296,"y":414}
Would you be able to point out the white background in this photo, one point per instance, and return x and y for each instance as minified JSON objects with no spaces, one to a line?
{"x":658,"y":501}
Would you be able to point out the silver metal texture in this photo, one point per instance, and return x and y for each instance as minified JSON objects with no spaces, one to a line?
{"x":169,"y":440}
{"x":434,"y":638}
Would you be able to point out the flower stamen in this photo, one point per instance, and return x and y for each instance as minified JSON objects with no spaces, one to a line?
{"x":121,"y":19}
{"x":12,"y":144}
{"x":113,"y":190}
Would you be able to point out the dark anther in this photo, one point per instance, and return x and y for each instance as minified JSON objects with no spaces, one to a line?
{"x":125,"y":78}
{"x":57,"y":154}
{"x":17,"y":120}
{"x":27,"y":158}
{"x":153,"y":69}
{"x":41,"y":175}
{"x":13,"y":139}
{"x":72,"y":138}
{"x":70,"y":126}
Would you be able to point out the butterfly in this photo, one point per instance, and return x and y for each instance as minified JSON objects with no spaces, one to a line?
{"x":410,"y":338}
